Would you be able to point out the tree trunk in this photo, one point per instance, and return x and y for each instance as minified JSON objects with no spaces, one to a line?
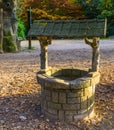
{"x":10,"y":27}
{"x":1,"y":29}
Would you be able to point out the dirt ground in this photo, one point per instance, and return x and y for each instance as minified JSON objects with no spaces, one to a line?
{"x":20,"y":93}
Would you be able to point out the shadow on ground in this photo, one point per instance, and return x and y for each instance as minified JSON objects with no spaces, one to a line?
{"x":24,"y":112}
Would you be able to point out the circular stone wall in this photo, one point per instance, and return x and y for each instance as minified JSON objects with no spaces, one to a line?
{"x":67,"y":94}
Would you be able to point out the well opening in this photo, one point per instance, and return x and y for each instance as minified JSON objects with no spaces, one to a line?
{"x":69,"y":74}
{"x":65,"y":98}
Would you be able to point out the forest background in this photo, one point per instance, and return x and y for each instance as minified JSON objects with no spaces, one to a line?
{"x":65,"y":9}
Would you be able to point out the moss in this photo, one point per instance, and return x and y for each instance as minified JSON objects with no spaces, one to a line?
{"x":1,"y":46}
{"x":9,"y":45}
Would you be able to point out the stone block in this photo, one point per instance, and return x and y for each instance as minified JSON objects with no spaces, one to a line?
{"x":51,"y":116}
{"x":44,"y":106}
{"x":62,"y":97}
{"x":48,"y":98}
{"x":55,"y":97}
{"x":91,"y":100}
{"x":76,"y":84}
{"x":81,"y":111}
{"x":54,"y":105}
{"x":48,"y":72}
{"x":68,"y":118}
{"x":93,"y":89}
{"x":88,"y":91}
{"x":61,"y":115}
{"x":93,"y":74}
{"x":84,"y":113}
{"x":86,"y":83}
{"x":80,"y":83}
{"x":95,"y":80}
{"x":47,"y":93}
{"x":71,"y":107}
{"x":71,"y":112}
{"x":73,"y":100}
{"x":83,"y":98}
{"x":47,"y":84}
{"x":75,"y":94}
{"x":84,"y":103}
{"x":78,"y":117}
{"x":53,"y":111}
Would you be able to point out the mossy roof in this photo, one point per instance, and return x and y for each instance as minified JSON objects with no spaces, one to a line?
{"x":69,"y":28}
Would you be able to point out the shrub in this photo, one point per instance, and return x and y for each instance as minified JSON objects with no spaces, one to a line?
{"x":21,"y":29}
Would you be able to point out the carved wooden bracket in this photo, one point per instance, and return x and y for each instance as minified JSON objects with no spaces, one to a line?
{"x":44,"y":40}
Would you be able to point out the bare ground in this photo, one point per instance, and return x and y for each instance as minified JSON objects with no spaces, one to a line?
{"x":20,"y":93}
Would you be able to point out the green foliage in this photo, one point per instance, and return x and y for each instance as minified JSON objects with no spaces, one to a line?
{"x":97,"y":8}
{"x":9,"y":45}
{"x":106,"y":8}
{"x":1,"y":47}
{"x":90,"y":7}
{"x":59,"y":12}
{"x":21,"y":29}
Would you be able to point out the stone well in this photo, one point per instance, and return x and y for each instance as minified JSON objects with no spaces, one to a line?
{"x":67,"y":94}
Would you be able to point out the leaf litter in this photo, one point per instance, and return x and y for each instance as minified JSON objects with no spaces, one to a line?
{"x":20,"y":93}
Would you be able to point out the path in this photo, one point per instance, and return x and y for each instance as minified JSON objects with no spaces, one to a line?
{"x":71,"y":44}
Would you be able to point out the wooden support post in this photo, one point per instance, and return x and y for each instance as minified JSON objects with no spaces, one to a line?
{"x":29,"y":43}
{"x":44,"y":57}
{"x":95,"y":52}
{"x":29,"y":26}
{"x":44,"y":42}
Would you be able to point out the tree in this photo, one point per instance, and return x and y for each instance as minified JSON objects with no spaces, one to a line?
{"x":90,"y":8}
{"x":50,"y":9}
{"x":97,"y":8}
{"x":100,"y":9}
{"x":1,"y":29}
{"x":106,"y":8}
{"x":9,"y":22}
{"x":21,"y":29}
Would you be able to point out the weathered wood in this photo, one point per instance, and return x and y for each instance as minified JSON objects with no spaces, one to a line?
{"x":44,"y":29}
{"x":69,"y":28}
{"x":44,"y":42}
{"x":44,"y":57}
{"x":95,"y":52}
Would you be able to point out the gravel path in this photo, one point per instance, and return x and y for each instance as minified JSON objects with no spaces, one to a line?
{"x":72,"y":44}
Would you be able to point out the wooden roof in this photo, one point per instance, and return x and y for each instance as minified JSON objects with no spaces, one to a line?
{"x":68,"y":28}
